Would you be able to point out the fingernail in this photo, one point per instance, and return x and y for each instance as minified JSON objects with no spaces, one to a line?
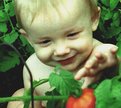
{"x":76,"y":77}
{"x":114,"y":49}
{"x":87,"y":66}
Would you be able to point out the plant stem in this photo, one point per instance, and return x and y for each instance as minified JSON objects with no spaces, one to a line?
{"x":36,"y":98}
{"x":40,"y":82}
{"x":8,"y":16}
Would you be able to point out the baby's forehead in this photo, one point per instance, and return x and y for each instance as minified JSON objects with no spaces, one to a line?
{"x":56,"y":17}
{"x":43,"y":27}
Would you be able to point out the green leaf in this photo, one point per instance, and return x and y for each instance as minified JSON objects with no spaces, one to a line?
{"x":115,"y":94}
{"x":116,"y":89}
{"x":10,"y":38}
{"x":113,"y":4}
{"x":103,"y":12}
{"x":9,"y":7}
{"x":116,"y":15}
{"x":52,"y":103}
{"x":1,"y":5}
{"x":101,"y":26}
{"x":119,"y":46}
{"x":108,"y":92}
{"x":105,"y":2}
{"x":29,"y":49}
{"x":102,"y":93}
{"x":112,"y":31}
{"x":8,"y":61}
{"x":64,"y":82}
{"x":3,"y":27}
{"x":116,"y":19}
{"x":23,"y":40}
{"x":116,"y":23}
{"x":3,"y":16}
{"x":24,"y":43}
{"x":119,"y":51}
{"x":108,"y":15}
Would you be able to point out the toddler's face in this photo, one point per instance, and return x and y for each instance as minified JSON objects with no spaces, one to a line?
{"x":68,"y":42}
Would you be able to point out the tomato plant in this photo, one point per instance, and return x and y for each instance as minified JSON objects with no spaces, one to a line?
{"x":86,"y":100}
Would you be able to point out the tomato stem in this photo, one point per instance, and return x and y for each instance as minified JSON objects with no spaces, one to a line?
{"x":36,"y":98}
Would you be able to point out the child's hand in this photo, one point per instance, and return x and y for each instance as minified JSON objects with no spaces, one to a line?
{"x":102,"y":57}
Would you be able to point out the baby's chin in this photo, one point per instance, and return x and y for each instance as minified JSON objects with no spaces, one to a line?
{"x":71,"y":68}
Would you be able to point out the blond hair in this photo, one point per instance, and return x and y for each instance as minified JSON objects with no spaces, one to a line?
{"x":32,"y":8}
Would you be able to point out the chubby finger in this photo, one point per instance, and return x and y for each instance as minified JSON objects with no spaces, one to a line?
{"x":100,"y":57}
{"x":92,"y":62}
{"x":85,"y":72}
{"x":114,"y":49}
{"x":81,"y":73}
{"x":88,"y":81}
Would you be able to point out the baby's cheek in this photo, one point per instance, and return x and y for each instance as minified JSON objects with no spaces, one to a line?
{"x":84,"y":46}
{"x":44,"y":55}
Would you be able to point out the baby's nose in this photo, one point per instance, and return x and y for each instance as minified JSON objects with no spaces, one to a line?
{"x":61,"y":50}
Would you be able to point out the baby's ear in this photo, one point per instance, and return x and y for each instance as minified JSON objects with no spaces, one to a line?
{"x":95,"y":19}
{"x":23,"y":32}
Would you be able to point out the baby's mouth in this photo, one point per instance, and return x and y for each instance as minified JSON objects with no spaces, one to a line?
{"x":66,"y":61}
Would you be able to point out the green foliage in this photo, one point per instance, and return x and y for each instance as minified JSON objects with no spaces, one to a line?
{"x":9,"y":61}
{"x":110,"y":20}
{"x":62,"y":80}
{"x":108,"y":93}
{"x":9,"y":34}
{"x":62,"y":89}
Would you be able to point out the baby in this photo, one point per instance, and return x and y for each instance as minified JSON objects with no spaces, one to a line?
{"x":61,"y":32}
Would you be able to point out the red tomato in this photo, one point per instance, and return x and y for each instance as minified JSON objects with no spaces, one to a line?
{"x":86,"y":100}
